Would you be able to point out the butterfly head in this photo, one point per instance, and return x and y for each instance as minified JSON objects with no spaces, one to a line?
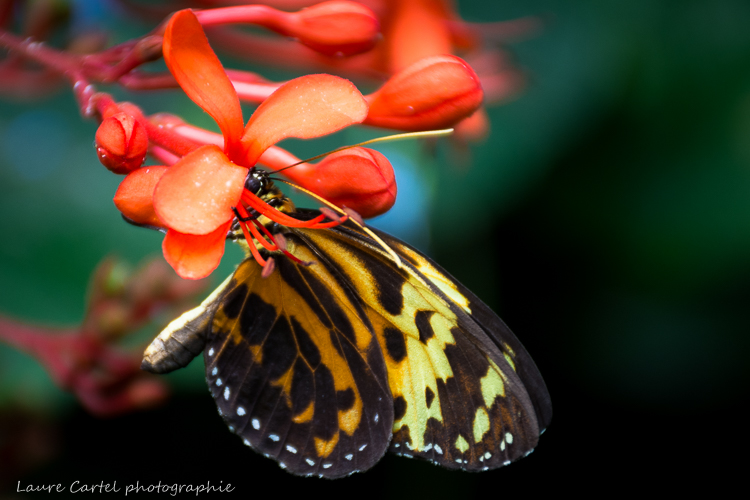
{"x":257,"y":182}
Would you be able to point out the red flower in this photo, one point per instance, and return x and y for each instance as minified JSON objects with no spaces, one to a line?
{"x":195,"y":197}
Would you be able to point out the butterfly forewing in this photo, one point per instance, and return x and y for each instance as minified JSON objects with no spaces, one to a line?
{"x":495,"y":330}
{"x":458,"y":399}
{"x":296,"y":371}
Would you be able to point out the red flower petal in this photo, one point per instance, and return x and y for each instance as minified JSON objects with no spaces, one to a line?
{"x":195,"y":256}
{"x":200,"y":74}
{"x":418,"y":29}
{"x":135,"y":195}
{"x":306,"y":107}
{"x":196,"y":194}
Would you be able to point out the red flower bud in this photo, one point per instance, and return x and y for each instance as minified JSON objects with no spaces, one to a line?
{"x":433,"y":93}
{"x":335,"y":28}
{"x":121,"y":143}
{"x":358,"y":178}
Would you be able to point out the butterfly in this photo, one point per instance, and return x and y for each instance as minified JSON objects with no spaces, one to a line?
{"x":357,"y":345}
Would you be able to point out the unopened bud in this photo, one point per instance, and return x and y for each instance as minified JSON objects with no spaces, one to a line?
{"x":358,"y":178}
{"x":433,"y":93}
{"x":121,"y":143}
{"x":335,"y":28}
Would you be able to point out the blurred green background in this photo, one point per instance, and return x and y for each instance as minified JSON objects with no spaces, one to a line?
{"x":606,"y":219}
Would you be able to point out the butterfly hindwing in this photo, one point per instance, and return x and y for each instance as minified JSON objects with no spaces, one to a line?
{"x":296,"y":371}
{"x":458,"y":398}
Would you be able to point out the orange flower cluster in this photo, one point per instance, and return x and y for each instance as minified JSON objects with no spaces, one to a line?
{"x":198,"y":193}
{"x":412,"y":31}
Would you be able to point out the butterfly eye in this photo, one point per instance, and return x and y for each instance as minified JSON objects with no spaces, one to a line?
{"x":256,"y":181}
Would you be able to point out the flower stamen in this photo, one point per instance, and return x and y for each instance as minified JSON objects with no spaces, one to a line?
{"x":252,"y":235}
{"x":254,"y":251}
{"x":285,"y":220}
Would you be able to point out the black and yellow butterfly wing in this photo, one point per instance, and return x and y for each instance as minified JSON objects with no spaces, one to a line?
{"x":325,"y":367}
{"x":296,"y":371}
{"x":466,"y":393}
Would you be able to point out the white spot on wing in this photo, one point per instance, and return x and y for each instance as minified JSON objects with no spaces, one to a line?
{"x":326,"y":466}
{"x":376,"y":418}
{"x":219,"y":382}
{"x":214,"y":371}
{"x":349,"y":456}
{"x":211,"y":352}
{"x":256,"y":424}
{"x":488,"y":455}
{"x":273,"y":437}
{"x":226,"y":393}
{"x":438,"y":449}
{"x":291,"y":449}
{"x":509,"y":437}
{"x":240,"y":411}
{"x":363,"y":447}
{"x":310,"y":461}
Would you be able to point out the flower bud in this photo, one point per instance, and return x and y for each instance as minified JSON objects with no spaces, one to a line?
{"x":121,"y":143}
{"x":335,"y":28}
{"x":433,"y":93}
{"x":358,"y":178}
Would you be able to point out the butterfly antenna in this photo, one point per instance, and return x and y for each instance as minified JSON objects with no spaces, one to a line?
{"x":341,"y":211}
{"x":387,"y":138}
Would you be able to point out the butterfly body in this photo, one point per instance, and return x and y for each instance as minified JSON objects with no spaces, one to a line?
{"x":325,"y":367}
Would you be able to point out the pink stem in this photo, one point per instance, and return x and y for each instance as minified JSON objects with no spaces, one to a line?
{"x":60,"y":61}
{"x":276,"y":158}
{"x":253,"y":14}
{"x":46,"y":344}
{"x":255,"y":92}
{"x":199,"y":135}
{"x":284,"y":52}
{"x":163,"y":156}
{"x":136,"y":80}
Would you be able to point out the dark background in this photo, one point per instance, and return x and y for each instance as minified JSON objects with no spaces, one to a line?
{"x":606,"y":219}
